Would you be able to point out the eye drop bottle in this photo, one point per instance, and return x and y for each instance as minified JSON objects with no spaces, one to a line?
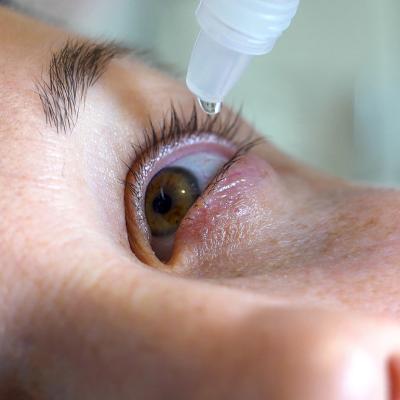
{"x":232,"y":32}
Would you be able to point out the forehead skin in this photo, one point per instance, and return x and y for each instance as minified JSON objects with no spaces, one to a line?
{"x":81,"y":318}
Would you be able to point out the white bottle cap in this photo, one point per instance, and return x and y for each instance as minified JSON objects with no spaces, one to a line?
{"x":232,"y":31}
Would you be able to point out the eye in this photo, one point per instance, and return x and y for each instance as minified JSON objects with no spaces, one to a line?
{"x":171,"y":170}
{"x":169,"y":196}
{"x":171,"y":193}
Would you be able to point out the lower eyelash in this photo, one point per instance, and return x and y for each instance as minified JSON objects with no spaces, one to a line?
{"x":241,"y":152}
{"x":174,"y":129}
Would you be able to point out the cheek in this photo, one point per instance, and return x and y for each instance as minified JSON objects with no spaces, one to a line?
{"x":297,"y":245}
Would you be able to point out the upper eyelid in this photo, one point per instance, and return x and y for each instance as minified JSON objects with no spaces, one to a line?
{"x":174,"y":126}
{"x":175,"y":129}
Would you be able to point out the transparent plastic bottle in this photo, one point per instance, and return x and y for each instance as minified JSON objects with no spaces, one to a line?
{"x":232,"y":32}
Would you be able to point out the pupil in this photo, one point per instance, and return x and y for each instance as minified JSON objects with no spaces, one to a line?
{"x":162,"y":203}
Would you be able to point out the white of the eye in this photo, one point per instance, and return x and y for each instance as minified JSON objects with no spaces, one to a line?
{"x":204,"y":166}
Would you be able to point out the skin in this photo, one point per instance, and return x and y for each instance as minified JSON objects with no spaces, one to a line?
{"x":299,"y":302}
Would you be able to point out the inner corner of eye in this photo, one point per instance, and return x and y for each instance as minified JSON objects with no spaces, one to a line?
{"x":172,"y":191}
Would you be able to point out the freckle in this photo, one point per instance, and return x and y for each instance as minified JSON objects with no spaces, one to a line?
{"x":373,"y":221}
{"x":273,"y":241}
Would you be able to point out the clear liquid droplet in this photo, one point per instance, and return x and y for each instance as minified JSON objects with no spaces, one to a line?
{"x":210,"y":107}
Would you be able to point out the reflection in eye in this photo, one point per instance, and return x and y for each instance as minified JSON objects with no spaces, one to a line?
{"x":171,"y":170}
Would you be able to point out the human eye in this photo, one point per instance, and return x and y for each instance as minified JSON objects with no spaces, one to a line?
{"x":175,"y":167}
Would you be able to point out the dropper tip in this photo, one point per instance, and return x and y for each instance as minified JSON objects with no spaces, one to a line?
{"x":209,"y":107}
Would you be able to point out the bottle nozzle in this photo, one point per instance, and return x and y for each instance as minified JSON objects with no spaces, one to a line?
{"x":232,"y":32}
{"x":212,"y":71}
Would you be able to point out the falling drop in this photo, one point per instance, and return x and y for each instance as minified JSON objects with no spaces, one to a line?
{"x":210,"y":107}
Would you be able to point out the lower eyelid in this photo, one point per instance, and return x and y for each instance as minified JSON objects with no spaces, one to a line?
{"x":231,"y":204}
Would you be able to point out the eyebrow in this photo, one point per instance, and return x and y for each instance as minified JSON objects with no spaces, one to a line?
{"x":72,"y":71}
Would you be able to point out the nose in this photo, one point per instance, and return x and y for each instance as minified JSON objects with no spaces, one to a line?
{"x":317,"y":355}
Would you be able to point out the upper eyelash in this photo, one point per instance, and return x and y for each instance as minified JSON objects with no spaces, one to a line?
{"x":174,"y":128}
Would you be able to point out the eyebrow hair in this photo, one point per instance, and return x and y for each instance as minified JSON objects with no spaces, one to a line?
{"x":72,"y":71}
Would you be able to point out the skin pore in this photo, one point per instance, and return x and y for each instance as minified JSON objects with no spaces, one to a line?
{"x":283,"y":282}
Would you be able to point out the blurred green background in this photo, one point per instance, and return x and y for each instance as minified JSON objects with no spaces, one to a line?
{"x":328,"y":94}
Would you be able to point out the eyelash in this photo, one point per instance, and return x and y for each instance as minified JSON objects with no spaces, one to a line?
{"x":174,"y":130}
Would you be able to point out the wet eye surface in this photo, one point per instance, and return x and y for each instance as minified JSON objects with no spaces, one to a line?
{"x":172,"y":192}
{"x":169,"y":174}
{"x":169,"y":196}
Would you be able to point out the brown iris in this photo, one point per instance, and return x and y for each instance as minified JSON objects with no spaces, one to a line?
{"x":169,"y":195}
